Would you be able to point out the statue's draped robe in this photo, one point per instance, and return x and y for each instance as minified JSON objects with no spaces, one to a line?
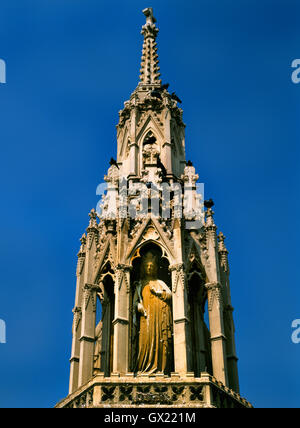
{"x":155,"y":330}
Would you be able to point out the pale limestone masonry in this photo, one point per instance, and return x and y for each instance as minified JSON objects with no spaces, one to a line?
{"x":193,"y":264}
{"x":154,"y":392}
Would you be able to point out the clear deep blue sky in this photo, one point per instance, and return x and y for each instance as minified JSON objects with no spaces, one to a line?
{"x":70,"y":66}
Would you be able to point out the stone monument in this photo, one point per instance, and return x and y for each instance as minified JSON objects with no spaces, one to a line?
{"x":151,"y":264}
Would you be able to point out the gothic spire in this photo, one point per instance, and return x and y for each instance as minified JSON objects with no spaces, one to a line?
{"x":149,"y":64}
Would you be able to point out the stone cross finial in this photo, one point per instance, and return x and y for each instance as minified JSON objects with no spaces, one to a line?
{"x":149,"y":29}
{"x":148,"y":12}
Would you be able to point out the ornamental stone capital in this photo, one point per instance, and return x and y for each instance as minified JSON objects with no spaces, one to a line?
{"x":177,"y":267}
{"x":213,"y":285}
{"x":214,"y":294}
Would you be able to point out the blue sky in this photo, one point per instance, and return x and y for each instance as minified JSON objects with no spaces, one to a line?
{"x":70,"y":66}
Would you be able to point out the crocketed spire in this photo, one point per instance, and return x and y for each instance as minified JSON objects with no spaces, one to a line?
{"x":149,"y":64}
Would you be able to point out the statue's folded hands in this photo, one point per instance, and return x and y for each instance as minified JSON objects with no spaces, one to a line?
{"x":157,"y":293}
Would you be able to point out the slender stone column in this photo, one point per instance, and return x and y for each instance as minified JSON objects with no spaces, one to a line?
{"x":133,"y":159}
{"x":233,"y":378}
{"x":232,"y":359}
{"x":74,"y":361}
{"x":88,"y":306}
{"x":215,"y":303}
{"x":121,"y":321}
{"x":182,"y":351}
{"x":87,"y":339}
{"x":217,"y":337}
{"x":75,"y":353}
{"x":167,"y":144}
{"x":133,"y":154}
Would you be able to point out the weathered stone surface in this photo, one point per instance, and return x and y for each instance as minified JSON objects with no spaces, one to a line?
{"x":192,"y":270}
{"x":190,"y":392}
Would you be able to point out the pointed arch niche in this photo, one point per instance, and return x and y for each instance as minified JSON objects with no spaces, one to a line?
{"x":164,"y":275}
{"x":200,"y":335}
{"x":104,"y":337}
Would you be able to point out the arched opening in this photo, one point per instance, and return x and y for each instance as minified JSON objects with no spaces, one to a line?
{"x":149,"y":138}
{"x":108,"y":306}
{"x":175,"y":160}
{"x":104,"y":330}
{"x":127,"y":149}
{"x":200,"y":334}
{"x":163,"y":275}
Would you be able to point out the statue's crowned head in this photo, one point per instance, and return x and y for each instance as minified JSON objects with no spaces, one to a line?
{"x":149,"y":266}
